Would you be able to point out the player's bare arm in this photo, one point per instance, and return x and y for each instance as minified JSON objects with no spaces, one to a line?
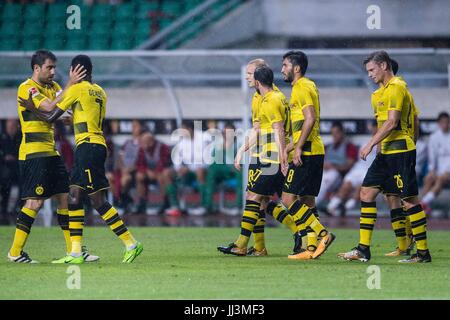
{"x":40,"y":114}
{"x":310,"y":117}
{"x":383,"y":132}
{"x":75,"y":75}
{"x":250,"y":141}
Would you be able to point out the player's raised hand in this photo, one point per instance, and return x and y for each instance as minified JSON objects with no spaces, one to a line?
{"x":76,"y":74}
{"x":27,"y":104}
{"x":364,"y":152}
{"x":297,"y":157}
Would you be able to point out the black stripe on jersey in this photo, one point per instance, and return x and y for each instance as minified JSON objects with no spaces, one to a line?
{"x":29,"y":116}
{"x":395,"y":145}
{"x":80,"y":127}
{"x":40,"y":154}
{"x":307,"y":146}
{"x":38,"y":137}
{"x":297,"y":125}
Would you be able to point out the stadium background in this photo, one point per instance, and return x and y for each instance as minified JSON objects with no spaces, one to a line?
{"x":167,"y":61}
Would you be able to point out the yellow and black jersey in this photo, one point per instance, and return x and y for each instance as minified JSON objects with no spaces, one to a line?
{"x":415,"y":110}
{"x":256,"y":104}
{"x":37,"y":136}
{"x":273,"y":108}
{"x":305,"y":93}
{"x":88,"y":102}
{"x":395,"y":96}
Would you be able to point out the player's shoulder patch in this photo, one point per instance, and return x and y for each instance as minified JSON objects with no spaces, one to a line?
{"x":34,"y":92}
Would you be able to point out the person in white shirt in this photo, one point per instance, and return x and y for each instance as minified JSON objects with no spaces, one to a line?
{"x":438,"y":160}
{"x":348,"y":194}
{"x":190,"y":158}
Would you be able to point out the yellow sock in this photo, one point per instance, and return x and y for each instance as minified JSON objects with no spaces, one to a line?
{"x":111,"y":217}
{"x":279,"y":212}
{"x":258,"y":231}
{"x":408,"y":229}
{"x":249,"y":219}
{"x":419,"y":226}
{"x":311,"y":235}
{"x":398,"y":225}
{"x":24,"y":221}
{"x":367,"y":222}
{"x":311,"y":238}
{"x":63,"y":221}
{"x":76,"y":225}
{"x":304,"y":217}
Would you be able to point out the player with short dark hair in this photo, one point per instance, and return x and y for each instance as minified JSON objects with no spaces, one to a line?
{"x":87,"y":100}
{"x":306,"y":157}
{"x":265,"y":175}
{"x":393,"y":170}
{"x":42,"y":173}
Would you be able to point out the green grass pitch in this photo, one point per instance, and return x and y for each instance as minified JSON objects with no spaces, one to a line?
{"x":183,"y":263}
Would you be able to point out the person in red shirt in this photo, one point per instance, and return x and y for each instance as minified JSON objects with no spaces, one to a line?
{"x":340,"y":156}
{"x":152,"y":166}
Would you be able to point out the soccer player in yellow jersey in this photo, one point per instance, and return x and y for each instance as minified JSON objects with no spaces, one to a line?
{"x":302,"y":183}
{"x":252,"y":143}
{"x":42,"y":171}
{"x":399,"y":220}
{"x":87,"y":101}
{"x":266,"y":173}
{"x":393,"y":170}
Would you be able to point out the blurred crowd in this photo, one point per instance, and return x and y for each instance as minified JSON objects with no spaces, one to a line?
{"x":196,"y":175}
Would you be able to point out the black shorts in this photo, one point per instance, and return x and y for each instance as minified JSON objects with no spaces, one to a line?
{"x":41,"y":178}
{"x":88,"y":172}
{"x":305,"y":180}
{"x":394,"y":174}
{"x":265,"y":179}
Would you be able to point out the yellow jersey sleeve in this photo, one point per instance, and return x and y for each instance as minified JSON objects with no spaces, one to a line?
{"x":27,"y":89}
{"x":274,"y":111}
{"x":304,"y":97}
{"x":70,"y":97}
{"x":396,"y":97}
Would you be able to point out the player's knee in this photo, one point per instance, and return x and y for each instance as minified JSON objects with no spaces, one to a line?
{"x":253,"y":197}
{"x":98,"y":199}
{"x":367,"y":195}
{"x":34,"y":204}
{"x":74,"y":196}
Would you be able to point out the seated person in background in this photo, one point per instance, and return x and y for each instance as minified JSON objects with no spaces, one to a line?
{"x":421,"y":158}
{"x":153,"y":166}
{"x":222,"y":168}
{"x":439,"y":161}
{"x":190,"y":161}
{"x":348,"y":194}
{"x":127,"y":159}
{"x":63,"y":145}
{"x":110,"y":162}
{"x":9,"y":163}
{"x":340,"y":156}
